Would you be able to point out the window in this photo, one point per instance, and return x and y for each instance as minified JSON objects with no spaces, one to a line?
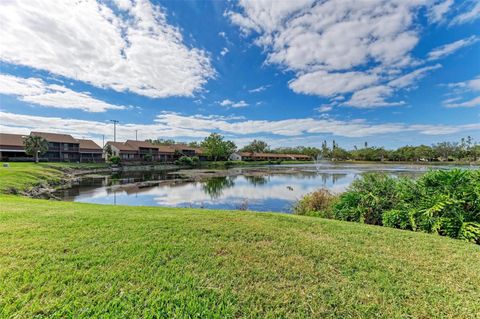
{"x":65,"y":147}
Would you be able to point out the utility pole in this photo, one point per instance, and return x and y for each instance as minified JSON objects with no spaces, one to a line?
{"x":136,"y":135}
{"x":103,"y":141}
{"x":114,"y":129}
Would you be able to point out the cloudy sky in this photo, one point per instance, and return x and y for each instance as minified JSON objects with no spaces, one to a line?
{"x":390,"y":72}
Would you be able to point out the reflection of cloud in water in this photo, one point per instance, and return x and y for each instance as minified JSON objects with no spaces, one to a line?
{"x":226,"y":194}
{"x":276,"y":189}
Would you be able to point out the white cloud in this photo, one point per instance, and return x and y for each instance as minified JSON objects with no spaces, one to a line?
{"x":233,"y":104}
{"x":197,"y":126}
{"x":450,"y":48}
{"x":437,"y":12}
{"x":224,"y":51}
{"x":129,"y":47}
{"x":473,"y":85}
{"x":471,"y":14}
{"x":35,"y":90}
{"x":410,"y":78}
{"x":259,"y":89}
{"x":338,"y":47}
{"x":460,"y":89}
{"x":324,"y":108}
{"x":225,"y":102}
{"x":376,"y":96}
{"x":469,"y":103}
{"x":328,"y":84}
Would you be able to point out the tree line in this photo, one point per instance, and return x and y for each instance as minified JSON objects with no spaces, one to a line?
{"x":467,"y":149}
{"x":464,"y":150}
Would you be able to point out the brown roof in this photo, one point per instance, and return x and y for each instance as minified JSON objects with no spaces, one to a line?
{"x":143,"y":144}
{"x":165,"y":149}
{"x":11,"y":140}
{"x":182,"y":147}
{"x":56,"y":138}
{"x":88,"y":145}
{"x":147,"y":144}
{"x":122,"y":147}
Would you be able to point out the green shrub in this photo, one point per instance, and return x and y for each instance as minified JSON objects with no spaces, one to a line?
{"x":114,"y":160}
{"x":148,"y":157}
{"x":195,"y":160}
{"x":375,"y":194}
{"x":186,"y":161}
{"x":397,"y":218}
{"x":446,"y":202}
{"x":318,"y":203}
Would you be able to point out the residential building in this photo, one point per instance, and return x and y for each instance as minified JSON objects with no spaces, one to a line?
{"x":190,"y":151}
{"x":61,"y":147}
{"x":142,"y":151}
{"x":90,"y":152}
{"x":124,"y":151}
{"x":151,"y":152}
{"x":12,"y":148}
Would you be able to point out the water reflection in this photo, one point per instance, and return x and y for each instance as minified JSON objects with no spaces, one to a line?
{"x":214,"y":186}
{"x":262,"y":189}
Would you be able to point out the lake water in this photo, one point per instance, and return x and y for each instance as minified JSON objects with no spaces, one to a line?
{"x":267,"y":188}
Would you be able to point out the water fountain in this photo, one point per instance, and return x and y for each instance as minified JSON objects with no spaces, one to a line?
{"x":318,"y":162}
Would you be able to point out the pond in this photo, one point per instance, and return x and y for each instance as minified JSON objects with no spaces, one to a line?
{"x":266,"y":188}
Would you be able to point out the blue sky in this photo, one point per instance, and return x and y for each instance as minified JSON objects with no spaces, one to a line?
{"x":290,"y":72}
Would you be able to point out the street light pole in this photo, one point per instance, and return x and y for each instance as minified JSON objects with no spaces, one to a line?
{"x":114,"y":129}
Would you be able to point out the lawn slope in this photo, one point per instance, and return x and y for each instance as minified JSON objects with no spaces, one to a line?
{"x":81,"y":260}
{"x":21,"y":176}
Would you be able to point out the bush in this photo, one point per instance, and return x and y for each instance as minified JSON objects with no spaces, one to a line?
{"x":367,"y":198}
{"x":186,"y":161}
{"x":396,"y":218}
{"x":114,"y":160}
{"x":318,"y":203}
{"x":148,"y":157}
{"x":442,"y":202}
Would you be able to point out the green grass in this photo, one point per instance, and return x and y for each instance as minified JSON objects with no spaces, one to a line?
{"x":21,"y":176}
{"x":66,"y":165}
{"x":65,"y":260}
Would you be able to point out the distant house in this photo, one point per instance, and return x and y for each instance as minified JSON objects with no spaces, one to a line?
{"x":12,"y":148}
{"x":252,"y":156}
{"x":237,"y":156}
{"x":190,"y":151}
{"x":61,"y":147}
{"x":124,"y":151}
{"x":149,"y":151}
{"x":90,"y":152}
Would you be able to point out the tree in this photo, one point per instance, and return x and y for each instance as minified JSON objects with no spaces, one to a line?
{"x":215,"y":147}
{"x":194,"y":144}
{"x":444,"y":149}
{"x":162,"y":141}
{"x":108,"y":151}
{"x":35,"y":146}
{"x":256,"y":146}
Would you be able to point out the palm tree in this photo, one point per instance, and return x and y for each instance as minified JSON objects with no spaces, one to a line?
{"x":35,"y":145}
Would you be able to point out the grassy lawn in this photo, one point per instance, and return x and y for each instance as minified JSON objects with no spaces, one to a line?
{"x":21,"y":176}
{"x":66,"y":260}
